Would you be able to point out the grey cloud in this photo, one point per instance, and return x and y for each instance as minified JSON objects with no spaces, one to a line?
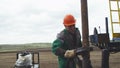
{"x":40,"y":20}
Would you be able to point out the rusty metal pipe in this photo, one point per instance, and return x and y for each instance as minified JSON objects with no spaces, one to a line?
{"x":106,"y":23}
{"x":85,"y":31}
{"x":85,"y":34}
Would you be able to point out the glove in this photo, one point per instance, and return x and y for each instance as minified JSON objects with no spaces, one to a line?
{"x":69,"y":53}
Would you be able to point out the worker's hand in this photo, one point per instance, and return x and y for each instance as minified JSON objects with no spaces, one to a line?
{"x":69,"y":53}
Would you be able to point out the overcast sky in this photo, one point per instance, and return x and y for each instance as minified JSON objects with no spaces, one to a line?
{"x":34,"y":21}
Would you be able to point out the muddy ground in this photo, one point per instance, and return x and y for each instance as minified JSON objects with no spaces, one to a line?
{"x":48,"y":60}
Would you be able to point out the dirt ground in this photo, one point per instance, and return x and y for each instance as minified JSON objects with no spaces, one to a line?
{"x":48,"y":60}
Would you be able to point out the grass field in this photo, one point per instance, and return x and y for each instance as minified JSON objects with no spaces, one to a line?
{"x":16,"y":47}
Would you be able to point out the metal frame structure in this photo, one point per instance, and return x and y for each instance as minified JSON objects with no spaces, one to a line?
{"x":114,"y":6}
{"x":35,"y":55}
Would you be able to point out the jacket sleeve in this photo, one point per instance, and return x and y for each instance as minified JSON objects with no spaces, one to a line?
{"x":56,"y":48}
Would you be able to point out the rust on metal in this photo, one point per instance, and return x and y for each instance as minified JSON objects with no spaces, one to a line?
{"x":85,"y":29}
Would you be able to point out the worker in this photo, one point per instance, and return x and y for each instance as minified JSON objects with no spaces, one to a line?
{"x":66,"y":43}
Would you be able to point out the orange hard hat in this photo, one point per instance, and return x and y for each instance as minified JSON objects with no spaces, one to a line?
{"x":69,"y":20}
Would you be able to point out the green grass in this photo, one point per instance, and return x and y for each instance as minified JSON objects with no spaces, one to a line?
{"x":15,"y":47}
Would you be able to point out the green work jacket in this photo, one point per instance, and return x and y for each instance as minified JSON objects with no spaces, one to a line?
{"x":66,"y":41}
